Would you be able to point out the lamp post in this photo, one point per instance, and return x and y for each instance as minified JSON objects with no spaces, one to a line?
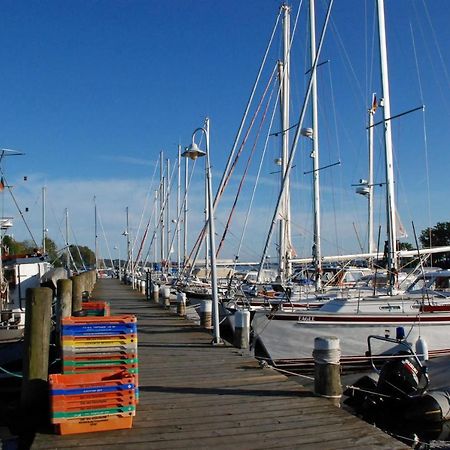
{"x":116,"y":247}
{"x":193,"y":152}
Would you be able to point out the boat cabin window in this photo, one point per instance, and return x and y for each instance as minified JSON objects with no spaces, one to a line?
{"x":441,"y":284}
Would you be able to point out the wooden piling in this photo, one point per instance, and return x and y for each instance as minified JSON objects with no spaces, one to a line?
{"x":63,"y":301}
{"x":181,"y":304}
{"x":242,"y":329}
{"x":155,"y":293}
{"x":327,"y":370}
{"x":206,"y":314}
{"x":148,"y":283}
{"x":77,"y":293}
{"x":34,"y":395}
{"x":166,"y":296}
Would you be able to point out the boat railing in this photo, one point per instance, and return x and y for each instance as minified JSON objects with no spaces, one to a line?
{"x":404,"y":350}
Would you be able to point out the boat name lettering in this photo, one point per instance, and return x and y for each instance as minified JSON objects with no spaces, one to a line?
{"x":305,"y":318}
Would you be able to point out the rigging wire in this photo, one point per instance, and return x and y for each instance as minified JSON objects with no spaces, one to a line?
{"x":162,"y":211}
{"x":249,"y":159}
{"x":226,"y":175}
{"x":78,"y":248}
{"x":106,"y":240}
{"x":18,"y":207}
{"x":436,"y":43}
{"x":149,"y":190}
{"x":338,"y":147}
{"x":425,"y":138}
{"x":257,"y":176}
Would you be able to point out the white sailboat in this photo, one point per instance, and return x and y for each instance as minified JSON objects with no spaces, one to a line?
{"x":287,"y":335}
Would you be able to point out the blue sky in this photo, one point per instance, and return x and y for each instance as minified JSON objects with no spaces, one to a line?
{"x":92,"y":91}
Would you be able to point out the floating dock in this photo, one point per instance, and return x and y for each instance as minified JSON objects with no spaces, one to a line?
{"x":195,"y":395}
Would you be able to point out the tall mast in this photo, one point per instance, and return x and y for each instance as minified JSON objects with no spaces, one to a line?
{"x":44,"y":227}
{"x":371,"y":242}
{"x":127,"y":234}
{"x":390,"y":193}
{"x":317,"y":250}
{"x":185,"y":224}
{"x":96,"y":233}
{"x":178,"y":209}
{"x":168,"y":249}
{"x":161,"y":203}
{"x":206,"y":220}
{"x":67,"y":240}
{"x":155,"y":243}
{"x":285,"y":222}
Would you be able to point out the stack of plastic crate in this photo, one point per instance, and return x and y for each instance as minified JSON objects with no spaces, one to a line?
{"x":97,"y":308}
{"x":99,"y":344}
{"x":83,"y":403}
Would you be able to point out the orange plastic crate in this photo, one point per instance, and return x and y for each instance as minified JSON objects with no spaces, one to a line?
{"x":91,"y":381}
{"x":97,"y":358}
{"x":97,"y":309}
{"x":70,"y":352}
{"x":93,"y":424}
{"x":126,"y":318}
{"x":88,"y":401}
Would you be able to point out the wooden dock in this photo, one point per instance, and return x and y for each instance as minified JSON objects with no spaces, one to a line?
{"x":194,"y":395}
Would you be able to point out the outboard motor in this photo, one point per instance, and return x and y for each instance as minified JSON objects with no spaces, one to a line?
{"x":401,"y":377}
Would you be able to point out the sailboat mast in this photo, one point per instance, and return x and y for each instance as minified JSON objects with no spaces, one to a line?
{"x":390,"y":193}
{"x":285,"y":267}
{"x":185,"y":224}
{"x":178,"y":227}
{"x":168,"y":228}
{"x":317,"y":250}
{"x":161,"y":204}
{"x":44,"y":228}
{"x":96,"y":233}
{"x":370,"y":237}
{"x":67,"y":239}
{"x":155,"y":243}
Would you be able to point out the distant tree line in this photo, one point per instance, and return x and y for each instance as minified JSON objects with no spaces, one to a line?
{"x":79,"y":254}
{"x":436,"y":236}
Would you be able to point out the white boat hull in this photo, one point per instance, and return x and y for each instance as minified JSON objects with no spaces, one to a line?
{"x":288,"y":336}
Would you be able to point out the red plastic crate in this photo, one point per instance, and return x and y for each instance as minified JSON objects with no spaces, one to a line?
{"x":101,"y":309}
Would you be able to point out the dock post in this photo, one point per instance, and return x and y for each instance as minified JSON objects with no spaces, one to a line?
{"x":166,"y":296}
{"x":181,"y":304}
{"x":155,"y":293}
{"x":77,"y":293}
{"x":34,"y":394}
{"x":242,"y":329}
{"x":327,"y":376}
{"x":206,"y":314}
{"x":148,"y":281}
{"x":92,"y":278}
{"x":63,"y":301}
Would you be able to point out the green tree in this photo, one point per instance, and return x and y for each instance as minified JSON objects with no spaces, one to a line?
{"x":405,"y":246}
{"x":437,"y":236}
{"x":87,"y":256}
{"x":13,"y":247}
{"x":52,"y":252}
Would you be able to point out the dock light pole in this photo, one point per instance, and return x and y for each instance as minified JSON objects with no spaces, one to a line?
{"x":193,"y":152}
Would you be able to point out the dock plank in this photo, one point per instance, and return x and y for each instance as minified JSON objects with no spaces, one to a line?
{"x":195,"y":395}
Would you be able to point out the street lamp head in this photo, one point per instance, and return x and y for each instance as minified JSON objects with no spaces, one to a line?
{"x":193,"y":152}
{"x":307,"y":132}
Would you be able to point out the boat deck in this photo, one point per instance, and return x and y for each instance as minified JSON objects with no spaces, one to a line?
{"x":194,"y":395}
